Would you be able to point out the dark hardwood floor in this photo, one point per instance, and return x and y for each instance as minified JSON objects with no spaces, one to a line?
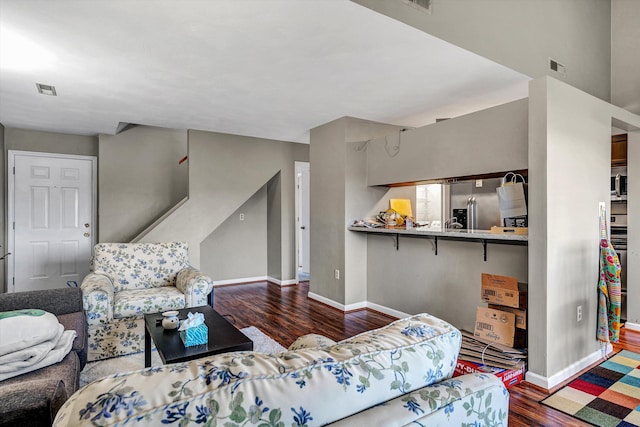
{"x":286,"y":313}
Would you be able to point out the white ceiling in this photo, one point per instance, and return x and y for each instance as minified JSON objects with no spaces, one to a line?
{"x":266,"y":68}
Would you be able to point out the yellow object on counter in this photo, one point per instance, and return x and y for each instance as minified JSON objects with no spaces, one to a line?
{"x":402,"y":206}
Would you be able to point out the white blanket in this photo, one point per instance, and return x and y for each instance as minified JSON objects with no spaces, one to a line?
{"x":22,"y":329}
{"x":61,"y":349}
{"x":29,"y":356}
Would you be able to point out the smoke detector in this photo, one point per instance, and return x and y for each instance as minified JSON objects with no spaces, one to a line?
{"x":46,"y":89}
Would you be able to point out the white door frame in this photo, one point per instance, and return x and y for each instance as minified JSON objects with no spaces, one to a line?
{"x":298,"y":166}
{"x":11,"y":202}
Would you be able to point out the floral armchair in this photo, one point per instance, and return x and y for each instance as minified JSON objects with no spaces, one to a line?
{"x":129,"y":280}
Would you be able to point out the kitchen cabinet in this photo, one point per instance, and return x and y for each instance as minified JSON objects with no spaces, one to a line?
{"x":619,"y":150}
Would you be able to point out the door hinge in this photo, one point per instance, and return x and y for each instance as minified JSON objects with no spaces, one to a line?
{"x":14,"y":170}
{"x":14,"y":225}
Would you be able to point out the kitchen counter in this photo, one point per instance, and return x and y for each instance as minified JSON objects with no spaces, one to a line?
{"x":452,"y":234}
{"x":482,"y":236}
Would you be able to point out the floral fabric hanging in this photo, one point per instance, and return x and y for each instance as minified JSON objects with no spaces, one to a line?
{"x":609,"y":288}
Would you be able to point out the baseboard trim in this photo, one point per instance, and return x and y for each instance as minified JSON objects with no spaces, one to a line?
{"x":386,"y":310}
{"x":549,"y":383}
{"x":326,"y":301}
{"x":282,"y":283}
{"x":358,"y":306}
{"x":240,"y":281}
{"x":632,"y":326}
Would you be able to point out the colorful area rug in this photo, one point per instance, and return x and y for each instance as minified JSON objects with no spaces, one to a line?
{"x":607,"y":395}
{"x":94,"y":370}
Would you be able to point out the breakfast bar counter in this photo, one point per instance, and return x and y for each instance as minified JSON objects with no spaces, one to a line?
{"x":482,"y":236}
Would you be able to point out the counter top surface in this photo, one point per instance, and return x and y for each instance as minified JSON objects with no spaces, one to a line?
{"x":456,"y":234}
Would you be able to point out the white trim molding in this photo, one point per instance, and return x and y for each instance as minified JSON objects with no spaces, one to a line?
{"x":282,"y":283}
{"x":358,"y":306}
{"x":550,"y":382}
{"x":632,"y":326}
{"x":248,"y":280}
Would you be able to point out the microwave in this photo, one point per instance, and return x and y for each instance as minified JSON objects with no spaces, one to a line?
{"x":619,"y":185}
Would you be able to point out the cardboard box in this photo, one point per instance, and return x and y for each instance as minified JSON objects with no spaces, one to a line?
{"x":509,"y":377}
{"x":498,"y":326}
{"x":504,"y":290}
{"x":521,"y":315}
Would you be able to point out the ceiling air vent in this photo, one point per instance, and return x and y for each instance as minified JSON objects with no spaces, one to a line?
{"x":46,"y":89}
{"x":423,"y":5}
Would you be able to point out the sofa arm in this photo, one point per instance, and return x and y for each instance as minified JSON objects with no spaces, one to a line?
{"x":311,"y":341}
{"x":97,"y":298}
{"x":473,"y":399}
{"x":33,"y":402}
{"x":195,"y":286}
{"x":57,"y":301}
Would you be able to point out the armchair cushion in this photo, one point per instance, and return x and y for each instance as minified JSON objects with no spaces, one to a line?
{"x":143,"y":301}
{"x":141,"y":265}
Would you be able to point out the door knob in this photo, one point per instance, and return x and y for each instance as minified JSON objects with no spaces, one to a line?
{"x":87,"y":234}
{"x":86,"y":225}
{"x":303,"y":228}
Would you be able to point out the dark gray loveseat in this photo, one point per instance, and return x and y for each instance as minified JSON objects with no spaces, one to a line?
{"x":33,"y":399}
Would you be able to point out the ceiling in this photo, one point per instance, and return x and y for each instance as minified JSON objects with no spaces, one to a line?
{"x":272,"y":69}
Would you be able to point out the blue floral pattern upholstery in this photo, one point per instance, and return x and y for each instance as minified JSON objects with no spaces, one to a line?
{"x":399,"y":374}
{"x":132,"y":279}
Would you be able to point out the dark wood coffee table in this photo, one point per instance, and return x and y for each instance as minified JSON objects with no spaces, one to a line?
{"x":223,"y":337}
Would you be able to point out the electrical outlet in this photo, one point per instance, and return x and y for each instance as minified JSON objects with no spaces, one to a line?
{"x":241,"y":217}
{"x":579,"y":313}
{"x":336,"y":274}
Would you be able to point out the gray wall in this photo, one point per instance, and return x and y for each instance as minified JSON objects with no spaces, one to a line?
{"x":625,"y":59}
{"x":46,"y":142}
{"x":3,"y":217}
{"x":414,"y":280}
{"x":339,"y":193}
{"x":569,"y":172}
{"x":140,"y":179}
{"x":224,"y":172}
{"x":487,"y":141}
{"x":523,"y":34}
{"x":633,"y":217}
{"x":238,"y":249}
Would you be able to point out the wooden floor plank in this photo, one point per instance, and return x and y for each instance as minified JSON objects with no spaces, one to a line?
{"x":286,"y":313}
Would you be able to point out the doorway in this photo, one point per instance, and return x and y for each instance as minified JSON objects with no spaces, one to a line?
{"x":303,"y":258}
{"x":51,"y":219}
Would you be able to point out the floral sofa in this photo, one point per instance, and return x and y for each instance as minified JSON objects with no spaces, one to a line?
{"x":396,"y":375}
{"x":129,"y":280}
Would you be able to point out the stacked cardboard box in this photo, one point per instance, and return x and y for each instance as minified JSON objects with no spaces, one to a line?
{"x":504,"y":321}
{"x":477,"y":355}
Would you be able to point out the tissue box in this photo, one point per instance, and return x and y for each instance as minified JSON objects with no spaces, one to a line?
{"x":195,"y":336}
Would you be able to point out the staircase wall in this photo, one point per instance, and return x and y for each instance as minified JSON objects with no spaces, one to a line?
{"x":224,"y":172}
{"x":140,"y":178}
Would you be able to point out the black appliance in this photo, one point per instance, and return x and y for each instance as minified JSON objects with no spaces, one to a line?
{"x":619,"y":184}
{"x":618,"y":240}
{"x":460,"y":216}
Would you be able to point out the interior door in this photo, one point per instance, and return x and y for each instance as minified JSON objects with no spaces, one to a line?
{"x":52,"y":212}
{"x":302,"y":217}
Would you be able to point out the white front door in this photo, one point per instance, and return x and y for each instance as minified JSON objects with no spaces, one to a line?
{"x":51,"y":211}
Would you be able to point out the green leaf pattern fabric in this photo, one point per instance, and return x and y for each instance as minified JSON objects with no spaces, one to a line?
{"x":405,"y":367}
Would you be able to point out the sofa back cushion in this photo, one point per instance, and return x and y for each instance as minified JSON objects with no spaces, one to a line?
{"x":141,"y":265}
{"x":310,"y":386}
